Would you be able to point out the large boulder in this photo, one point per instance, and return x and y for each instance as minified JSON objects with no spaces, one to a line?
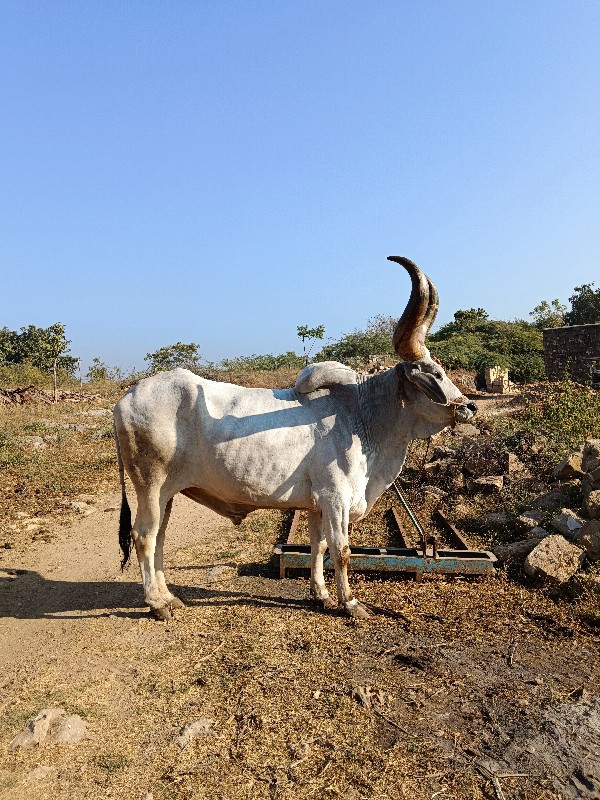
{"x":516,"y":551}
{"x":490,"y":484}
{"x":550,"y":501}
{"x":592,"y":504}
{"x":567,"y":522}
{"x":593,"y":477}
{"x":570,"y":467}
{"x":590,"y":459}
{"x":529,"y":519}
{"x":554,"y":559}
{"x":588,"y":538}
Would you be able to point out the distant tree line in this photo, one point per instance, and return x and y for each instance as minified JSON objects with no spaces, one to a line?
{"x":44,"y":348}
{"x":471,"y":341}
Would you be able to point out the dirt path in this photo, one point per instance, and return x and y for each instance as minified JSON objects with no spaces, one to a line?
{"x":50,"y":589}
{"x":450,"y":686}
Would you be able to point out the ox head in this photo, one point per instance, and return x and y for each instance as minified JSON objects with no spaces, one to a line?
{"x":438,"y":398}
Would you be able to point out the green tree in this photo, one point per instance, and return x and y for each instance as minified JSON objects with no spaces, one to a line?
{"x":8,"y":346}
{"x":549,"y":315}
{"x":174,"y":355}
{"x":473,"y":341}
{"x":471,"y":316}
{"x":358,"y":347}
{"x":98,"y":371}
{"x":305,"y":333}
{"x":44,"y":348}
{"x":585,"y":306}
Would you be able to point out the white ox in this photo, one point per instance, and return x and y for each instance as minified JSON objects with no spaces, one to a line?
{"x":331,"y":445}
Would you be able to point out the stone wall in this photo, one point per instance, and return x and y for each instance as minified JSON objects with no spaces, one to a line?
{"x":568,"y":350}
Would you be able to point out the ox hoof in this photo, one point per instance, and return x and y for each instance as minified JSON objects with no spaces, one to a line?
{"x":356,"y":610}
{"x":326,"y":602}
{"x":175,"y":602}
{"x":162,"y":613}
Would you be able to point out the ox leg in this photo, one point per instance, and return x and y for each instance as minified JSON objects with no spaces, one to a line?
{"x":318,"y":545}
{"x":335,"y":526}
{"x":145,"y":529}
{"x":170,"y":599}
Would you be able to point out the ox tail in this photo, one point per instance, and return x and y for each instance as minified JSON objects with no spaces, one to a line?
{"x":125,"y":538}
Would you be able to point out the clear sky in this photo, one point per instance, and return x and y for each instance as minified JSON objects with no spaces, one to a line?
{"x":223,"y":171}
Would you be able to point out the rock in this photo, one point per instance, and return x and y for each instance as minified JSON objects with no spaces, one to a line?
{"x":593,"y":477}
{"x":550,"y":501}
{"x":35,"y":523}
{"x":99,"y":412}
{"x":570,"y":467}
{"x":33,"y":443}
{"x":491,"y":484}
{"x":496,"y":518}
{"x":98,"y":436}
{"x":480,"y":458}
{"x":516,"y":551}
{"x":193,"y":730}
{"x":513,"y":466}
{"x":83,"y":508}
{"x":37,"y":728}
{"x":443,"y":452}
{"x":592,"y":504}
{"x":554,"y":559}
{"x":68,"y":730}
{"x":466,"y":429}
{"x":435,"y":490}
{"x":567,"y":522}
{"x":432,"y":468}
{"x":41,"y":772}
{"x":51,"y":726}
{"x":591,"y":455}
{"x":588,"y":538}
{"x":538,"y":532}
{"x":529,"y":519}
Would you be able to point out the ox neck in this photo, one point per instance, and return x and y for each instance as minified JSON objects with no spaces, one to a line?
{"x":381,"y":409}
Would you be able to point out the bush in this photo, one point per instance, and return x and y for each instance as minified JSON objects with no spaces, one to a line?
{"x":14,"y":376}
{"x":564,"y":414}
{"x":258,"y":363}
{"x":473,"y":341}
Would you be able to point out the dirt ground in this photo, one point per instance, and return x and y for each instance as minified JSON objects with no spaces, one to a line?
{"x":454,"y":688}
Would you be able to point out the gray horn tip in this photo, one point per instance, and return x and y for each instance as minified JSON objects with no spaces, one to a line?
{"x":402,"y":260}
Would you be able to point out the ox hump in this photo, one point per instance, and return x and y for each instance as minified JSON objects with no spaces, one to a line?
{"x":324,"y":375}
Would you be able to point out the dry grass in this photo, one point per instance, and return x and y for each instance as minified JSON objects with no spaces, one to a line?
{"x":49,"y":456}
{"x":285,"y":686}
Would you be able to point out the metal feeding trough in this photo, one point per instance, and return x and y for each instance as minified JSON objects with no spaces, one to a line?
{"x":425,"y":557}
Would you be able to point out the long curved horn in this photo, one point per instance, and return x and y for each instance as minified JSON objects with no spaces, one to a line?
{"x":434,"y":304}
{"x":419,"y":314}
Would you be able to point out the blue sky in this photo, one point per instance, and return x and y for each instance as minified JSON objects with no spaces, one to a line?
{"x":221,"y":172}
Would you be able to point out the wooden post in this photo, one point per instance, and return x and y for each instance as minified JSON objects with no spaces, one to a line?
{"x":54,"y":374}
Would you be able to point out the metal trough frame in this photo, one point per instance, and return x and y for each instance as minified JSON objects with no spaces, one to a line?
{"x":425,"y":558}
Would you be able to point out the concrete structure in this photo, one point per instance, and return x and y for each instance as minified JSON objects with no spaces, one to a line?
{"x":570,"y":350}
{"x":496,"y":380}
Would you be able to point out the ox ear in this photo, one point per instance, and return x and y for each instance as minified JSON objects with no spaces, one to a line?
{"x":424,"y":382}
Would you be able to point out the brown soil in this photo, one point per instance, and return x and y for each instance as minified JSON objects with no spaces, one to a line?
{"x":453,"y":688}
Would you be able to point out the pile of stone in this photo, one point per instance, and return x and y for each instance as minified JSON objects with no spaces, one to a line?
{"x":557,"y":540}
{"x":30,"y":394}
